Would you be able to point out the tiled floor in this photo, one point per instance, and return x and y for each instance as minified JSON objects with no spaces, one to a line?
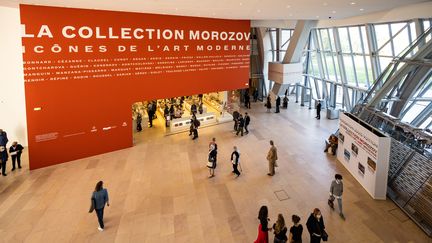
{"x":160,"y":192}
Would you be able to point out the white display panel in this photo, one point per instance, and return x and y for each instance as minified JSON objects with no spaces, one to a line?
{"x":365,"y":153}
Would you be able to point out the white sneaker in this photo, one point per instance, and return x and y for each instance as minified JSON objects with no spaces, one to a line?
{"x":100,"y":229}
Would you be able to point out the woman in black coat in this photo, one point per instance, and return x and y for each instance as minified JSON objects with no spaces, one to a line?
{"x":315,"y":226}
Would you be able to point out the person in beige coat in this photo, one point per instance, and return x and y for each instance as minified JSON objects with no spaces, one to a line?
{"x":272,"y":157}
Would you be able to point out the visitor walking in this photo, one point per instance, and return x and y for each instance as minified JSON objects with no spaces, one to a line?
{"x":255,"y":95}
{"x":98,"y":200}
{"x":247,"y":99}
{"x":15,"y":151}
{"x":3,"y":159}
{"x":295,"y":235}
{"x":246,"y":122}
{"x":318,"y":110}
{"x":272,"y":157}
{"x":336,"y":191}
{"x":280,"y":230}
{"x":315,"y":226}
{"x":139,"y":120}
{"x":236,"y":115}
{"x":212,"y":157}
{"x":241,"y":124}
{"x":235,"y":160}
{"x":263,"y":226}
{"x":278,"y":102}
{"x":195,"y":124}
{"x":3,"y":138}
{"x":268,"y":104}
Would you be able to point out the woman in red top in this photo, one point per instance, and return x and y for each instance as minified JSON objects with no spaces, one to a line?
{"x":263,"y":227}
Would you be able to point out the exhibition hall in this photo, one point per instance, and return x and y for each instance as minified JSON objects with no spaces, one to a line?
{"x":216,"y":121}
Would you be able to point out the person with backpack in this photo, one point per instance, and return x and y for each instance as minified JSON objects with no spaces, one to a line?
{"x":246,"y":122}
{"x":240,"y":125}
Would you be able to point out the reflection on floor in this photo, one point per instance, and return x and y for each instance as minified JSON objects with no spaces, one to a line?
{"x":160,"y":192}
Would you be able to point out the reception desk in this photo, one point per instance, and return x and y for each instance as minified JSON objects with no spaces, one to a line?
{"x":183,"y":124}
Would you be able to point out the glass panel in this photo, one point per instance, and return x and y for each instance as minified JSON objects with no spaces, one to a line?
{"x":325,"y":40}
{"x":364,"y":38}
{"x":332,"y":43}
{"x":415,"y":110}
{"x":384,"y":62}
{"x":355,"y":40}
{"x":361,"y":71}
{"x":383,"y":35}
{"x":343,"y":37}
{"x":349,"y":69}
{"x":286,"y":35}
{"x":339,"y":95}
{"x":401,"y":41}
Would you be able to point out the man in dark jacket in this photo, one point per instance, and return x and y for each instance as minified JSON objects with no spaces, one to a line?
{"x":318,"y":110}
{"x":3,"y":158}
{"x":278,"y":102}
{"x":240,"y":125}
{"x":235,"y":160}
{"x":3,"y":138}
{"x":246,"y":121}
{"x":15,"y":151}
{"x":247,"y":99}
{"x":315,"y":226}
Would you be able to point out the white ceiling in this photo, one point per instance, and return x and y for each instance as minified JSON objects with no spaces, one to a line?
{"x":235,"y":9}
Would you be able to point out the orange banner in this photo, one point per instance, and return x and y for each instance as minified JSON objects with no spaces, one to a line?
{"x":83,"y":69}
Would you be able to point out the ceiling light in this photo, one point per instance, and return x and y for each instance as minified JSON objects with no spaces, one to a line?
{"x":259,"y":10}
{"x":325,"y":4}
{"x":353,"y":3}
{"x":241,"y":4}
{"x":288,"y":6}
{"x":361,"y":9}
{"x":290,"y":14}
{"x":176,"y":9}
{"x":334,"y":11}
{"x":317,"y":16}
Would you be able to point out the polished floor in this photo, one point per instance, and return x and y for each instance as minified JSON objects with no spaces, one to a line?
{"x":160,"y":192}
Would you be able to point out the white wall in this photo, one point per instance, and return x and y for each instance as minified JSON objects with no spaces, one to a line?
{"x":12,"y":99}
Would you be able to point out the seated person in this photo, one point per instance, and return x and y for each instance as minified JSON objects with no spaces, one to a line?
{"x":331,"y":143}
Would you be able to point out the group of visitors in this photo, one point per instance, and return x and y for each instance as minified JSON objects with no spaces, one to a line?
{"x":212,"y":159}
{"x":268,"y":103}
{"x":279,"y":228}
{"x":15,"y":152}
{"x":314,"y":225}
{"x":241,"y":123}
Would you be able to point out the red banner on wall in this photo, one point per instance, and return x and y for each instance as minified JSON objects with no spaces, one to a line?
{"x":83,"y":69}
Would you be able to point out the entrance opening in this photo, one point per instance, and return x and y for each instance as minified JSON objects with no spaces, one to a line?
{"x":174,"y":115}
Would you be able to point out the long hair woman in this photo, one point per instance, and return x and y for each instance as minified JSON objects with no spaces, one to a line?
{"x":280,"y":230}
{"x":98,"y":200}
{"x":263,"y":226}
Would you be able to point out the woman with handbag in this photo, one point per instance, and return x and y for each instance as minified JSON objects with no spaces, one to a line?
{"x":98,"y":200}
{"x":315,"y":226}
{"x":211,"y":164}
{"x":263,"y":226}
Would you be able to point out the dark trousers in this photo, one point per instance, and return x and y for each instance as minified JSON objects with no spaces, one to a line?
{"x":3,"y":167}
{"x":16,"y":158}
{"x":315,"y":239}
{"x":151,"y":119}
{"x":235,"y":170}
{"x":99,"y":214}
{"x":195,"y":133}
{"x":235,"y":126}
{"x":277,"y":109}
{"x":139,"y":127}
{"x":240,"y":130}
{"x":318,"y":116}
{"x":246,"y":125}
